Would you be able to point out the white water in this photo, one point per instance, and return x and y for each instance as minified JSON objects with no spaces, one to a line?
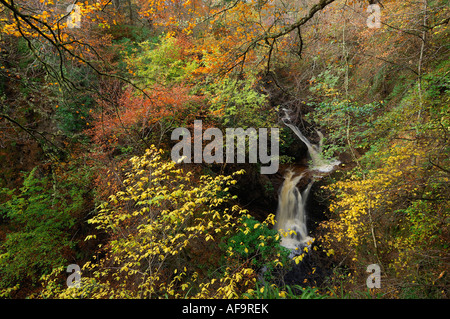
{"x":291,"y":214}
{"x":315,"y":152}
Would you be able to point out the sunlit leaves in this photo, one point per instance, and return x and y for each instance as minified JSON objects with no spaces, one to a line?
{"x":159,"y":219}
{"x":165,"y":63}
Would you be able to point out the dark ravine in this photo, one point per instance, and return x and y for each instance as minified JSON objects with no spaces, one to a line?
{"x":291,"y":212}
{"x":293,"y":220}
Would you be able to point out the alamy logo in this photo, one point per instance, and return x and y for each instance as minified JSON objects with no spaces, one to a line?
{"x":74,"y":17}
{"x":374,"y":279}
{"x":74,"y":280}
{"x":214,"y":151}
{"x":374,"y":21}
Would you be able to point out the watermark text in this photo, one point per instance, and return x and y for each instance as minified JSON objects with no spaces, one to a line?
{"x":236,"y":140}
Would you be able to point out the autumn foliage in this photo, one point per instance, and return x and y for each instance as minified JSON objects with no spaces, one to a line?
{"x":90,"y":92}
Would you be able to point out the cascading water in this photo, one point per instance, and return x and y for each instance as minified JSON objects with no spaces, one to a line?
{"x":319,"y":163}
{"x":291,"y":214}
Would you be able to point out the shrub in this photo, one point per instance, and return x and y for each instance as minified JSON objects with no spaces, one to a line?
{"x":165,"y":63}
{"x":39,"y":217}
{"x":259,"y":246}
{"x":237,"y":103}
{"x":166,"y":228}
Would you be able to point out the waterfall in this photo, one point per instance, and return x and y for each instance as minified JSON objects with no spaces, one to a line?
{"x":315,"y":152}
{"x":291,"y":214}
